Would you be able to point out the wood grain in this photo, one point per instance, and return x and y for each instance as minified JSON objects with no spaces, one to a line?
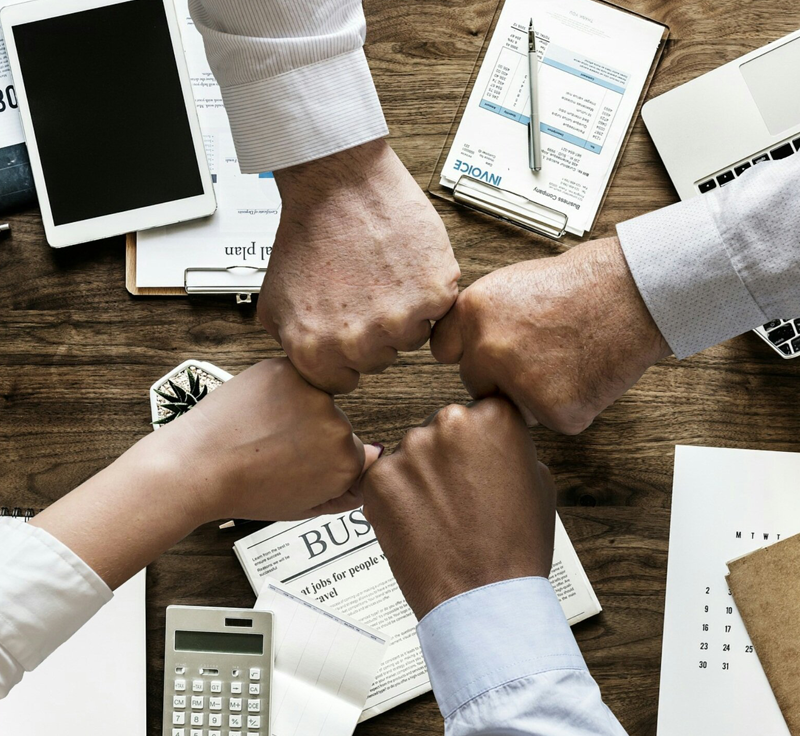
{"x":78,"y":353}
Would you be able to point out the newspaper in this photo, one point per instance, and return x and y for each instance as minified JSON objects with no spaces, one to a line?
{"x":337,"y":560}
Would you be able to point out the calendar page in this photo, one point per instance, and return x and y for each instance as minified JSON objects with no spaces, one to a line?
{"x":725,"y":503}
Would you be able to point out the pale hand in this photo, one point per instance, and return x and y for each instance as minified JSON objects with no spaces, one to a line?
{"x":361,"y":265}
{"x":562,"y":337}
{"x":463,"y":502}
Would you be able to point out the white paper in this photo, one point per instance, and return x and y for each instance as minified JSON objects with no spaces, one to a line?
{"x":337,"y":560}
{"x":324,"y":664}
{"x":10,"y":122}
{"x":94,"y":683}
{"x":242,"y":230}
{"x":725,"y":503}
{"x":594,"y":61}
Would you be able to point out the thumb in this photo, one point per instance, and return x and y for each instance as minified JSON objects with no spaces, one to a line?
{"x":446,"y":343}
{"x":368,"y":453}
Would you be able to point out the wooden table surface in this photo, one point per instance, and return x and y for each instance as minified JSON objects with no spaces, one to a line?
{"x":77,"y":355}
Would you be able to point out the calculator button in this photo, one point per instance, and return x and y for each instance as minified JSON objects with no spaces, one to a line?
{"x":235,"y":721}
{"x":253,"y":733}
{"x":254,"y":688}
{"x":215,"y":703}
{"x":216,"y":686}
{"x":214,"y":733}
{"x":198,"y":702}
{"x":178,"y":719}
{"x":215,"y":719}
{"x":255,"y":673}
{"x":178,"y":732}
{"x":254,"y":706}
{"x":196,"y":719}
{"x":180,"y":686}
{"x":235,"y":704}
{"x":236,"y":688}
{"x":254,"y":721}
{"x":234,"y":733}
{"x":196,"y":732}
{"x":178,"y":701}
{"x":197,"y":686}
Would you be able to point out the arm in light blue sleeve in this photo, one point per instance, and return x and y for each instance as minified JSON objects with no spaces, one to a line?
{"x":502,"y":660}
{"x":721,"y":263}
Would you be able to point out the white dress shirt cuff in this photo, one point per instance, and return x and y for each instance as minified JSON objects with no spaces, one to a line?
{"x":304,"y":114}
{"x":494,"y":635}
{"x":48,"y":592}
{"x":686,"y":277}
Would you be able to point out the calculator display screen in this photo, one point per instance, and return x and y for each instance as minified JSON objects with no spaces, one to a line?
{"x":218,"y":641}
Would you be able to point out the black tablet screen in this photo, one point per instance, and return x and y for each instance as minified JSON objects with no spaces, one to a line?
{"x":108,"y":111}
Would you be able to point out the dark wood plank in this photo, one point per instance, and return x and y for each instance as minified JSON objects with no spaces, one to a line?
{"x":78,"y":353}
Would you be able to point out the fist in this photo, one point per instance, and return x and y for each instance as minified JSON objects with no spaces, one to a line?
{"x":562,"y":337}
{"x":463,"y":502}
{"x":360,"y":267}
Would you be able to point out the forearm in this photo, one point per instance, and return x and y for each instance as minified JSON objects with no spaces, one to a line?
{"x":124,"y":517}
{"x":722,"y":263}
{"x":503,"y":659}
{"x":294,"y":78}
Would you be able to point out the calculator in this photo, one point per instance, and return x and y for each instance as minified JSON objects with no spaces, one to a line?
{"x":217,"y":671}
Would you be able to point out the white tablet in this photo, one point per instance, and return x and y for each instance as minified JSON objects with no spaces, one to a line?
{"x":109,"y":118}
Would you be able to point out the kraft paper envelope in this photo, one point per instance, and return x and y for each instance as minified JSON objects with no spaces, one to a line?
{"x":766,"y":587}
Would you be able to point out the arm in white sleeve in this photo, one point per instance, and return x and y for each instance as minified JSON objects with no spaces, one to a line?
{"x":293,"y":75}
{"x":721,"y":263}
{"x":502,"y":659}
{"x":46,"y":594}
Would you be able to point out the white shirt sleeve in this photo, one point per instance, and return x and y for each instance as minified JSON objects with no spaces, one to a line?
{"x":721,"y":263}
{"x":46,"y":594}
{"x":502,"y":660}
{"x":293,"y":75}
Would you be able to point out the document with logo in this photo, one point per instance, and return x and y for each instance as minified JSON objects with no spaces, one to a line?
{"x":594,"y":61}
{"x":336,"y":560}
{"x":242,"y":230}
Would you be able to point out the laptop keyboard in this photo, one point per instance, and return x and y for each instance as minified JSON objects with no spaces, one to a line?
{"x":783,"y":335}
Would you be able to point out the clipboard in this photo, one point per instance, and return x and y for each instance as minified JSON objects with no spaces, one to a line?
{"x":240,"y":281}
{"x":503,"y":204}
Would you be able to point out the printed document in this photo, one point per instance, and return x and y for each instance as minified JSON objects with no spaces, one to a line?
{"x":242,"y":230}
{"x":324,"y":665}
{"x":725,"y":503}
{"x":10,"y":122}
{"x":336,"y":560}
{"x":594,"y":61}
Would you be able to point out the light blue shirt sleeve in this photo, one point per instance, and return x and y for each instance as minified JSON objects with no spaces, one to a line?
{"x":502,"y":660}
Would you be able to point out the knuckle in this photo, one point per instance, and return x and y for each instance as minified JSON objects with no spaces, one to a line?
{"x":414,"y":440}
{"x":452,"y":417}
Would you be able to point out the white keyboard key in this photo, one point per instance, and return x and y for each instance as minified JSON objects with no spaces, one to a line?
{"x":178,"y":732}
{"x":178,"y":701}
{"x":254,"y":706}
{"x":180,"y":686}
{"x":215,"y":703}
{"x":197,"y":686}
{"x":254,"y":688}
{"x":235,"y":704}
{"x":214,"y":733}
{"x":216,"y":686}
{"x":197,"y":732}
{"x":215,"y":719}
{"x":236,"y":688}
{"x":234,"y":721}
{"x":178,"y":719}
{"x":255,"y":673}
{"x":253,"y":733}
{"x":234,"y":733}
{"x":198,"y":702}
{"x":254,"y":721}
{"x":197,"y":719}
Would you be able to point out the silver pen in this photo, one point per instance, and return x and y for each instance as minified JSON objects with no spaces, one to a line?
{"x":534,"y":134}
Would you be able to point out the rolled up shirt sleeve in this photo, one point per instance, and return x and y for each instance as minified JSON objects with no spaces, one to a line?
{"x":502,"y":660}
{"x":722,"y":263}
{"x":46,"y":594}
{"x":293,"y":75}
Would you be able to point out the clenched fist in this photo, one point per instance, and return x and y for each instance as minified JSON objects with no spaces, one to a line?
{"x":562,"y":337}
{"x":360,"y":267}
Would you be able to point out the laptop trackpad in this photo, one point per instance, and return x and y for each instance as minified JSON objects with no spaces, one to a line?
{"x":772,"y":80}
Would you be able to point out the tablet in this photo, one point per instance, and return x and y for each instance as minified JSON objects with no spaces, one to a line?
{"x":109,"y":118}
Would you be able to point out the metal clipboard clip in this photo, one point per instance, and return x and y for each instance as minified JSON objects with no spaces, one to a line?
{"x":513,"y":208}
{"x":243,"y":281}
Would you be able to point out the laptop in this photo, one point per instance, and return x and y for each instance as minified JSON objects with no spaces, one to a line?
{"x":710,"y":131}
